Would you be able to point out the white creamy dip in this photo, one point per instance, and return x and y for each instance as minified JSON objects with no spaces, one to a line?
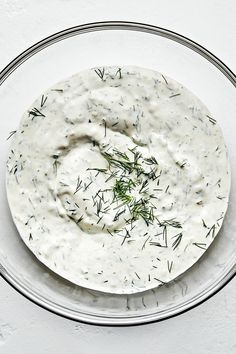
{"x":118,"y":179}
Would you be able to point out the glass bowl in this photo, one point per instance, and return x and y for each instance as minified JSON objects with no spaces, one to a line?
{"x":116,"y":43}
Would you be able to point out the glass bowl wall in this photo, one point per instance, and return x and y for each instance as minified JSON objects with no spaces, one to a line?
{"x":116,"y":43}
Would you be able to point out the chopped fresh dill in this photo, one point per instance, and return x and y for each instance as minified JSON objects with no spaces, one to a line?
{"x":164,"y":79}
{"x":211,"y":120}
{"x":86,"y":186}
{"x":211,"y":231}
{"x":157,"y":244}
{"x":78,"y":185}
{"x":105,"y":128}
{"x":170,"y":222}
{"x":169,"y":266}
{"x":100,"y":73}
{"x":203,"y":223}
{"x":151,"y":161}
{"x":80,"y":219}
{"x":55,"y":163}
{"x":121,"y":190}
{"x":11,"y":134}
{"x":127,"y":235}
{"x":118,"y":73}
{"x":144,"y":244}
{"x":35,"y":112}
{"x":178,"y":239}
{"x":200,"y":245}
{"x":176,"y":94}
{"x":43,"y":100}
{"x":129,"y":174}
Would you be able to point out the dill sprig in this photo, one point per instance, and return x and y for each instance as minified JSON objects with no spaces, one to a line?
{"x":78,"y":185}
{"x":119,"y":73}
{"x":211,"y":120}
{"x":55,"y":163}
{"x":99,"y":170}
{"x":169,"y":266}
{"x":35,"y":112}
{"x":174,"y":95}
{"x":211,"y":231}
{"x":118,"y":214}
{"x":204,"y":224}
{"x":11,"y":134}
{"x":86,"y":186}
{"x":164,"y":79}
{"x":140,"y":209}
{"x":144,"y":184}
{"x":100,"y":73}
{"x":200,"y":245}
{"x":124,"y":164}
{"x":158,"y":244}
{"x":105,"y":127}
{"x":144,"y":244}
{"x":127,"y":235}
{"x":170,"y":222}
{"x":43,"y":100}
{"x":80,"y":219}
{"x":151,"y":161}
{"x":121,"y":190}
{"x":178,"y":239}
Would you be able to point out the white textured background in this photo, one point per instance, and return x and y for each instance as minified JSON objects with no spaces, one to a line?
{"x":208,"y":329}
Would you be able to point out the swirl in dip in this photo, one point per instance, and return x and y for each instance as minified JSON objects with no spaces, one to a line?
{"x":118,"y":179}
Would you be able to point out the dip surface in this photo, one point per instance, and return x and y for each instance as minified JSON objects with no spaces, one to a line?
{"x":118,"y":179}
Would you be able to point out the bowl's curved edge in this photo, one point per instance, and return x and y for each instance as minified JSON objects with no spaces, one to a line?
{"x":101,"y":322}
{"x":116,"y":25}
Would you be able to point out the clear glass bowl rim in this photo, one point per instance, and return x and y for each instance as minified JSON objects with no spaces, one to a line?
{"x":102,"y":26}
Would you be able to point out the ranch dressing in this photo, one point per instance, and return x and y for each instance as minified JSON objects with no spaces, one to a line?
{"x":118,"y":179}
